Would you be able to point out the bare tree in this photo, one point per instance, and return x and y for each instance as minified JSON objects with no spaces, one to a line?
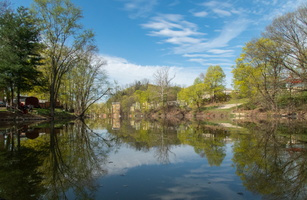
{"x":89,"y":81}
{"x":290,"y":31}
{"x":163,"y":80}
{"x":5,"y":6}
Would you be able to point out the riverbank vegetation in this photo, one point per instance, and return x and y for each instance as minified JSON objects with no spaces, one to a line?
{"x":271,"y":71}
{"x":46,"y":52}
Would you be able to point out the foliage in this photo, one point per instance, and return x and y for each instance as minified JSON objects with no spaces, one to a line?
{"x":214,"y":81}
{"x":63,"y":36}
{"x":295,"y":100}
{"x":249,"y":105}
{"x":275,"y":162}
{"x":270,"y":67}
{"x":259,"y":71}
{"x":193,"y":95}
{"x":87,"y":81}
{"x":19,"y":52}
{"x":142,"y":96}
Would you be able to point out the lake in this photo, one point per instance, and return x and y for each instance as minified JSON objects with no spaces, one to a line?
{"x":163,"y":160}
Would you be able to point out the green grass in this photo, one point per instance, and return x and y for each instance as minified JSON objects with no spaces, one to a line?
{"x":58,"y":113}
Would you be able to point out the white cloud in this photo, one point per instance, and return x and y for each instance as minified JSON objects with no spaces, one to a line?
{"x":220,"y":51}
{"x":174,"y":28}
{"x":222,"y":9}
{"x":125,"y":159}
{"x":284,"y":7}
{"x":222,"y":13}
{"x":139,"y":8}
{"x":174,"y":33}
{"x":228,"y":33}
{"x":199,"y":60}
{"x":225,"y":55}
{"x":181,"y":40}
{"x":174,"y":3}
{"x":124,"y":72}
{"x":200,"y":14}
{"x":213,"y":4}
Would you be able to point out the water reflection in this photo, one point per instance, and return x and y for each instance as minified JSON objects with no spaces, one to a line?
{"x":168,"y":160}
{"x":271,"y":160}
{"x":66,"y":157}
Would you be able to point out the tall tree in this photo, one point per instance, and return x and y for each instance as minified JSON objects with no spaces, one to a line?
{"x":163,"y":80}
{"x":214,"y":81}
{"x":19,"y":51}
{"x":89,"y":81}
{"x":290,"y":32}
{"x":260,"y":69}
{"x":63,"y":36}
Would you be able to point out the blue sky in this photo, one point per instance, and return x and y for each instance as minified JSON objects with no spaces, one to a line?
{"x":137,"y":37}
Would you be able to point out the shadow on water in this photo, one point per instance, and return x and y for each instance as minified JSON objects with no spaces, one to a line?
{"x":68,"y":160}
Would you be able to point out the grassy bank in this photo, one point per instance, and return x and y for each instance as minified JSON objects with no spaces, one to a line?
{"x":35,"y":114}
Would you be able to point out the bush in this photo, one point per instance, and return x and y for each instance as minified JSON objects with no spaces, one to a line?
{"x":294,"y":101}
{"x":248,"y":106}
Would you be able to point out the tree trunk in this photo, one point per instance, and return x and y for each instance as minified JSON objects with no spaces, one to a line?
{"x":52,"y":101}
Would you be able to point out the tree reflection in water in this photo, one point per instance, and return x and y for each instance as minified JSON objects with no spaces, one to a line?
{"x":18,"y":167}
{"x":271,"y":162}
{"x":75,"y":161}
{"x":68,"y":159}
{"x":208,"y":140}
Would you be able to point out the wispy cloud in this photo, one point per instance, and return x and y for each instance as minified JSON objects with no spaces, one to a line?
{"x":200,"y":14}
{"x":281,"y":8}
{"x":222,"y":13}
{"x":139,"y":8}
{"x":199,"y":60}
{"x":228,"y":33}
{"x":222,"y":9}
{"x":225,"y":55}
{"x":174,"y":28}
{"x":174,"y":3}
{"x":187,"y":39}
{"x":220,"y":51}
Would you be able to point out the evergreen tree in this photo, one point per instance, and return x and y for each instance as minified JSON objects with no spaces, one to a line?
{"x":19,"y":51}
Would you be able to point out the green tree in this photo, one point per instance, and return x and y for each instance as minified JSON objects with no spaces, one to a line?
{"x":242,"y":78}
{"x":63,"y":36}
{"x":19,"y":51}
{"x":259,"y":70}
{"x":193,"y":95}
{"x":214,"y":81}
{"x":199,"y":79}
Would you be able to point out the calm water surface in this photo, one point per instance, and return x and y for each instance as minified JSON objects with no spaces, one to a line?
{"x":153,"y":160}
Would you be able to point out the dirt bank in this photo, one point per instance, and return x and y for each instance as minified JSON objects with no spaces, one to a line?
{"x":18,"y":116}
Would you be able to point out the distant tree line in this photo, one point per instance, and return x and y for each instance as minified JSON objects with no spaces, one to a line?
{"x":143,"y":96}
